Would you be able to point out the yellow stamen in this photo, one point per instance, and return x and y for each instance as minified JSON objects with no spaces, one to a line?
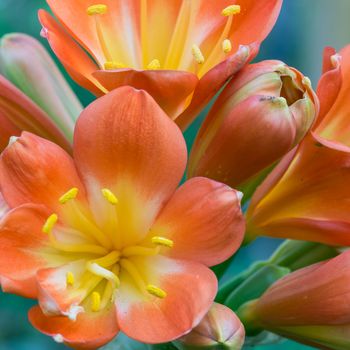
{"x":70,"y":278}
{"x":108,"y":294}
{"x":98,"y":9}
{"x":154,"y":64}
{"x":226,"y":45}
{"x":156,"y":291}
{"x":197,"y":54}
{"x":112,"y":65}
{"x":69,"y":195}
{"x":102,"y":272}
{"x":231,"y":10}
{"x":130,"y":268}
{"x":108,"y":260}
{"x":50,"y":223}
{"x":165,"y":242}
{"x":95,"y":301}
{"x":110,"y":196}
{"x":139,"y":251}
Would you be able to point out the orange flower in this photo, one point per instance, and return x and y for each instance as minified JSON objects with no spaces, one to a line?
{"x":180,"y":51}
{"x":274,"y":98}
{"x":105,"y":241}
{"x":306,"y":196}
{"x":18,"y":113}
{"x":310,"y":305}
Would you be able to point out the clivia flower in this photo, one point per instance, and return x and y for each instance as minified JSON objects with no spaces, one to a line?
{"x":307,"y":195}
{"x":104,"y":240}
{"x":259,"y":117}
{"x":180,"y":51}
{"x":311,"y":305}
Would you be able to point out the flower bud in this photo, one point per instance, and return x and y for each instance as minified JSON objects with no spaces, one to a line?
{"x":264,"y":111}
{"x":220,"y":329}
{"x":25,"y":62}
{"x":309,"y":305}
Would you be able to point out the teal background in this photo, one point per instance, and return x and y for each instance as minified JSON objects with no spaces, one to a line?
{"x":303,"y":29}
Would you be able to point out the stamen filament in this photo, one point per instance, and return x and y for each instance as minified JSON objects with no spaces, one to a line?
{"x":108,"y":260}
{"x":70,"y":278}
{"x":162,"y":241}
{"x":130,"y":268}
{"x":139,"y":251}
{"x":69,"y":195}
{"x":102,"y":272}
{"x":108,"y":294}
{"x":95,"y":301}
{"x":144,"y":32}
{"x":50,"y":223}
{"x":156,"y":291}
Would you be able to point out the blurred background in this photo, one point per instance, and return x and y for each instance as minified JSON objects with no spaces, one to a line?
{"x":304,"y":28}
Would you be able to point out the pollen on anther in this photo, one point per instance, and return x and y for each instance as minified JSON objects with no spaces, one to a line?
{"x":156,"y":291}
{"x":95,"y":301}
{"x":226,"y":46}
{"x":165,"y":242}
{"x":197,"y":54}
{"x":69,"y":195}
{"x":154,"y":64}
{"x":98,"y":9}
{"x":50,"y":223}
{"x":70,"y":278}
{"x":110,"y":196}
{"x":112,"y":65}
{"x":231,"y":10}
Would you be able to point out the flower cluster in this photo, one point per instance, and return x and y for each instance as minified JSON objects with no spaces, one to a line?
{"x":98,"y":222}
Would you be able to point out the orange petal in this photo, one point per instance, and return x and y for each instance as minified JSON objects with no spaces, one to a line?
{"x":90,"y":331}
{"x":78,"y":64}
{"x":135,"y":150}
{"x":26,"y":288}
{"x":213,"y":81}
{"x":307,"y":200}
{"x":22,"y":241}
{"x":333,"y":91}
{"x":204,"y":220}
{"x":169,"y":88}
{"x":34,"y":170}
{"x":190,"y":289}
{"x":237,"y":151}
{"x":18,"y":113}
{"x":296,"y":299}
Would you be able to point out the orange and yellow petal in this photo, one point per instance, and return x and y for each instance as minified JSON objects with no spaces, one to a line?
{"x":135,"y":151}
{"x":35,"y":170}
{"x":22,"y":243}
{"x":90,"y":331}
{"x":204,"y":221}
{"x":190,"y":289}
{"x":78,"y":64}
{"x":169,"y":88}
{"x":26,"y":288}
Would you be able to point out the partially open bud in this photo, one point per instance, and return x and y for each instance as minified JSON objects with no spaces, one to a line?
{"x":220,"y":329}
{"x":262,"y":114}
{"x":26,"y":63}
{"x":310,"y":305}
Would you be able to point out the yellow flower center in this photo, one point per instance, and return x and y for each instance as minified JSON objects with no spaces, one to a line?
{"x":102,"y":272}
{"x":178,"y":43}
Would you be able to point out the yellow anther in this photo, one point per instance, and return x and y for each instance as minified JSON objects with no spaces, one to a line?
{"x":70,"y":278}
{"x":154,"y":64}
{"x":231,"y":10}
{"x":165,"y":242}
{"x":110,"y":196}
{"x":226,"y":46}
{"x":197,"y":54}
{"x":156,"y":291}
{"x":98,"y":9}
{"x":111,"y":65}
{"x":50,"y":223}
{"x":71,"y":194}
{"x":95,"y":301}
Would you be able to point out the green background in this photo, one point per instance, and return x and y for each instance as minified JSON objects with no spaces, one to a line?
{"x":303,"y":29}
